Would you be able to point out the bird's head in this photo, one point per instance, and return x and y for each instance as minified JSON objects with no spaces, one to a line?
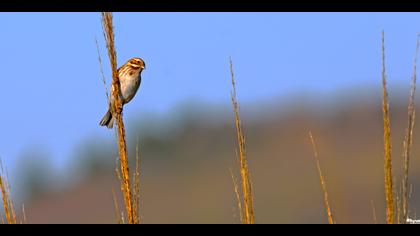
{"x":137,"y":63}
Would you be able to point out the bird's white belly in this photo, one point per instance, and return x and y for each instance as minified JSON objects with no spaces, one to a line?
{"x":129,"y":87}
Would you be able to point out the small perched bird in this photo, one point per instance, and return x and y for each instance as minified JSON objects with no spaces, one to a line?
{"x":130,"y":79}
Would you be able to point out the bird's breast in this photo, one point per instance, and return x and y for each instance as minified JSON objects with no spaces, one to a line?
{"x":129,"y":86}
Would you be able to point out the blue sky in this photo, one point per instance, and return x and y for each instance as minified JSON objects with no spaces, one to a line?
{"x":52,"y":95}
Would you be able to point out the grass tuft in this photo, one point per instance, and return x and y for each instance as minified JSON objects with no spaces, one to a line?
{"x":389,"y":196}
{"x":247,"y":213}
{"x":408,"y":141}
{"x":7,"y":201}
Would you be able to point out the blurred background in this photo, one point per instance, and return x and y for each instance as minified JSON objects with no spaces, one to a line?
{"x":295,"y":72}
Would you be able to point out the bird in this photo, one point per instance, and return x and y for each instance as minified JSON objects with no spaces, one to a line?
{"x":130,"y":79}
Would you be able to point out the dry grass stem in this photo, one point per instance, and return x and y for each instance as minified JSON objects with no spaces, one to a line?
{"x":389,"y":196}
{"x":116,"y":109}
{"x":24,"y":214}
{"x":408,"y":141}
{"x":398,"y":207}
{"x":7,"y":201}
{"x":136,"y":193}
{"x":118,"y":215}
{"x":375,"y":219}
{"x":102,"y":70}
{"x":247,"y":193}
{"x":322,"y":180}
{"x":238,"y":197}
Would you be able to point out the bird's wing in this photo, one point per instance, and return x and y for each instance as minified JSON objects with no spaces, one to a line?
{"x":118,"y":70}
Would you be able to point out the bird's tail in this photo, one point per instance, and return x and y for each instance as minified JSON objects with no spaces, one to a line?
{"x":107,"y":120}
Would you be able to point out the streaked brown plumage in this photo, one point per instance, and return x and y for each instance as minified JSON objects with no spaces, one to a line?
{"x":130,"y":79}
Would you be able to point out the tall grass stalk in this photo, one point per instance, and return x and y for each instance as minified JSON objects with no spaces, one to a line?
{"x":322,"y":180}
{"x":102,"y":70}
{"x":247,"y":193}
{"x":375,"y":219}
{"x":136,"y":193}
{"x":119,"y":216}
{"x":238,"y":197}
{"x":24,"y":215}
{"x":408,"y":141}
{"x":389,"y":196}
{"x":117,"y":109}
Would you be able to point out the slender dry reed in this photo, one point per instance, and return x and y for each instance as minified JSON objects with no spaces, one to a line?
{"x":375,"y":220}
{"x":117,"y":109}
{"x":118,"y":214}
{"x":247,"y":194}
{"x":7,"y":201}
{"x":136,"y":187}
{"x":389,"y":196}
{"x":24,"y":215}
{"x":102,"y":70}
{"x":322,"y":180}
{"x":398,"y":207}
{"x":408,"y":141}
{"x":238,"y":197}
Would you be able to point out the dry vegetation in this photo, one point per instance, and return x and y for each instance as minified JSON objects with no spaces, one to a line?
{"x":322,"y":180}
{"x":387,"y":144}
{"x":9,"y":210}
{"x":408,"y":141}
{"x":246,"y":204}
{"x":398,"y":199}
{"x":130,"y":197}
{"x":7,"y":201}
{"x":130,"y":187}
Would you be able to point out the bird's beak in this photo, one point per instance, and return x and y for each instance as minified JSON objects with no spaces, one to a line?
{"x":143,"y":67}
